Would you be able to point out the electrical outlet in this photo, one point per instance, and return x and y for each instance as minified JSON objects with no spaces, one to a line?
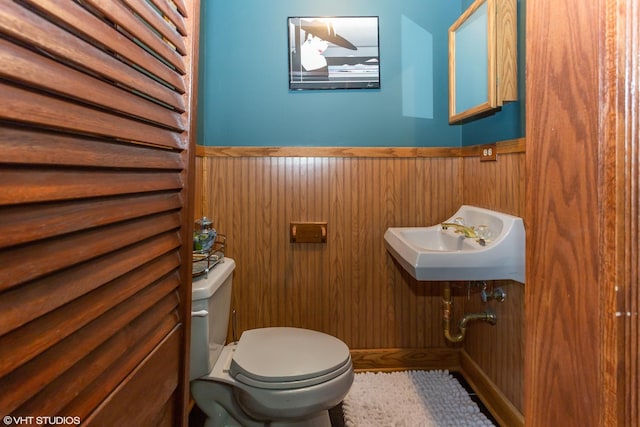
{"x":488,"y":153}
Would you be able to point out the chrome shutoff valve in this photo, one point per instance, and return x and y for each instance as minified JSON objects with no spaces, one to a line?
{"x":497,"y":294}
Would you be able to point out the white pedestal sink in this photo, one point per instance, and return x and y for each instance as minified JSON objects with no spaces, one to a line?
{"x":479,"y":244}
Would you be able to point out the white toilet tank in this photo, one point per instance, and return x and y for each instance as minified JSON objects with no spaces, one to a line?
{"x":211,"y":302}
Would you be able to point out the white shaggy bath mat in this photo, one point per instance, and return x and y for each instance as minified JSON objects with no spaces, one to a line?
{"x":410,"y":399}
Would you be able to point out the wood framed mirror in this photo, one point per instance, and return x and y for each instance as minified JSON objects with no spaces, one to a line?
{"x":482,"y":59}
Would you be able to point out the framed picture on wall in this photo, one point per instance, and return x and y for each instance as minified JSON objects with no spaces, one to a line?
{"x":334,"y":53}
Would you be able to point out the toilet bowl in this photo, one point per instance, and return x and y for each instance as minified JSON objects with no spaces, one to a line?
{"x":275,"y":376}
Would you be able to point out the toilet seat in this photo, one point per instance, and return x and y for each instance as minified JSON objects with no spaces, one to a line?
{"x":288,"y":358}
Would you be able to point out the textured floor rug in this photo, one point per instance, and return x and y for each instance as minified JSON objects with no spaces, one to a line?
{"x":411,"y":399}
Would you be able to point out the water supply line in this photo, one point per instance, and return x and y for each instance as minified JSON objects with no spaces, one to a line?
{"x":485,"y":316}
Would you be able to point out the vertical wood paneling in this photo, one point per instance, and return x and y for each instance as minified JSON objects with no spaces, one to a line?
{"x":498,"y":185}
{"x":498,"y":350}
{"x":349,"y":287}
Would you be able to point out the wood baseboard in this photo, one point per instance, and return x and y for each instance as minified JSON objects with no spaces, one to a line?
{"x":402,"y":359}
{"x":494,"y":400}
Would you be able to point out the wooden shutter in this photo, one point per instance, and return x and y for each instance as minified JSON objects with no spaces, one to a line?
{"x":96,"y":174}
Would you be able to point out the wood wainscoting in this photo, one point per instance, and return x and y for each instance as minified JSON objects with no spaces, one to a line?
{"x":350,"y":287}
{"x":499,"y":350}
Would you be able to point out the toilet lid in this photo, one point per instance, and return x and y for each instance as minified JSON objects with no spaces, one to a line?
{"x":273,"y":357}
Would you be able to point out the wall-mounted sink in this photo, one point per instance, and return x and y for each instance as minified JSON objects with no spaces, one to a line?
{"x":474,"y":244}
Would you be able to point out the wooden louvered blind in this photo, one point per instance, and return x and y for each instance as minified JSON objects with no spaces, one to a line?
{"x":96,"y":173}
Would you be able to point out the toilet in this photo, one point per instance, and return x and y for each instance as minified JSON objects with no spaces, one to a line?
{"x":276,"y":376}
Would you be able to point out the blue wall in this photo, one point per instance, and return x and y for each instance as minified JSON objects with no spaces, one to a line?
{"x":244,"y":98}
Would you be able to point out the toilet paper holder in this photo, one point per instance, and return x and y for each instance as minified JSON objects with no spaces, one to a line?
{"x":308,"y":232}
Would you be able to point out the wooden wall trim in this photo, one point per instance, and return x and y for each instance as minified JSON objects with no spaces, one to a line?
{"x":192,"y":28}
{"x":373,"y":152}
{"x":503,"y":147}
{"x":402,"y":359}
{"x":620,"y":221}
{"x":510,"y":146}
{"x":496,"y":402}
